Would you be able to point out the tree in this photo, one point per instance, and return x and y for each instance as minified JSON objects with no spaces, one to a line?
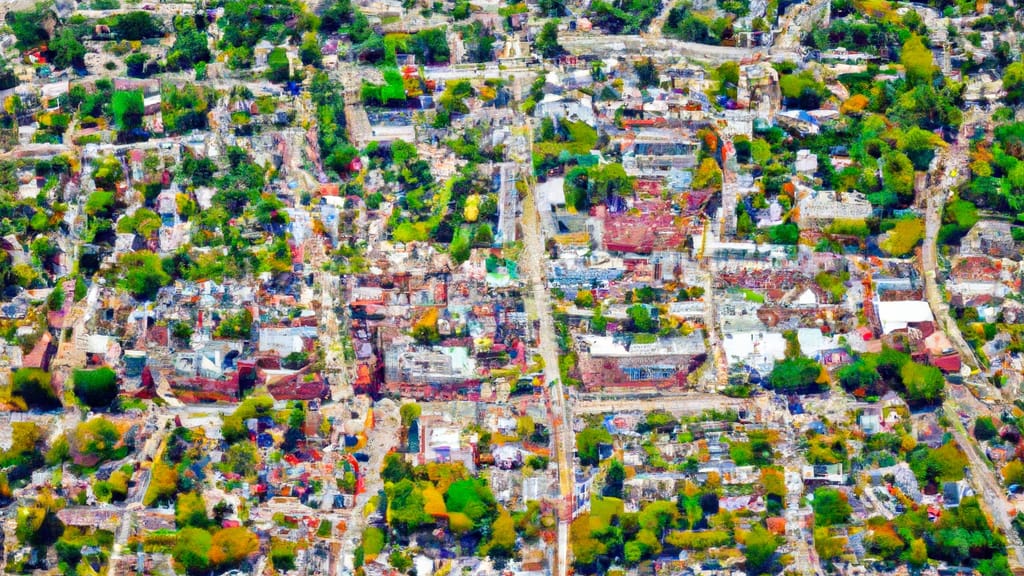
{"x":232,"y":545}
{"x":709,"y":175}
{"x":425,"y":329}
{"x":826,"y":545}
{"x":640,"y":318}
{"x":242,"y":459}
{"x":410,"y":412}
{"x":918,"y":61}
{"x":646,"y":72}
{"x":190,"y":510}
{"x":137,"y":25}
{"x":33,"y":386}
{"x":898,"y":174}
{"x":984,"y":428}
{"x":587,"y":441}
{"x":774,"y":482}
{"x":279,"y":67}
{"x":858,"y":375}
{"x":786,"y":234}
{"x":128,"y":109}
{"x":830,"y":507}
{"x":67,"y":50}
{"x":547,"y":41}
{"x":760,"y":547}
{"x":903,"y":238}
{"x":282,"y":554}
{"x":406,"y":503}
{"x":29,"y":26}
{"x":503,"y":537}
{"x":794,"y":375}
{"x":97,"y":388}
{"x":614,"y":480}
{"x":918,"y":555}
{"x":586,"y":549}
{"x":483,"y":236}
{"x":309,"y":51}
{"x":237,"y":325}
{"x":395,"y":468}
{"x":1013,"y":472}
{"x":1013,"y":83}
{"x":143,"y":274}
{"x":924,"y":384}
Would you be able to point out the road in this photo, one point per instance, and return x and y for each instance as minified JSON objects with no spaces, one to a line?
{"x":987,"y":487}
{"x":952,"y":165}
{"x":531,"y":264}
{"x":603,"y":46}
{"x":690,"y":403}
{"x":952,"y":169}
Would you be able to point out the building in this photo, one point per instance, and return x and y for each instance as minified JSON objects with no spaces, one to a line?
{"x":818,"y":208}
{"x":608,"y":362}
{"x":989,"y":238}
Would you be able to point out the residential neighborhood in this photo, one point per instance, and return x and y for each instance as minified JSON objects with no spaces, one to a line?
{"x":645,"y":287}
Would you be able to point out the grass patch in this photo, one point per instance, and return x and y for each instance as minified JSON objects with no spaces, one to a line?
{"x":602,"y":509}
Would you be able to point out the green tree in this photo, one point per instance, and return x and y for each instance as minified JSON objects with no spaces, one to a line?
{"x":395,"y":468}
{"x":614,"y":480}
{"x":279,"y":67}
{"x":406,"y":507}
{"x":29,"y":26}
{"x":97,"y":388}
{"x":786,"y":234}
{"x":794,"y":374}
{"x":190,"y":510}
{"x":483,"y":236}
{"x":309,"y":51}
{"x":830,"y":507}
{"x":546,"y":42}
{"x":984,"y":428}
{"x":898,"y":173}
{"x":237,"y":325}
{"x":587,"y":441}
{"x":924,"y":384}
{"x":143,"y":274}
{"x":232,"y":545}
{"x":67,"y":50}
{"x":917,"y":60}
{"x":242,"y":459}
{"x":1013,"y":83}
{"x":137,"y":25}
{"x":410,"y":412}
{"x":640,"y":318}
{"x":760,"y":548}
{"x":128,"y":109}
{"x":33,"y":386}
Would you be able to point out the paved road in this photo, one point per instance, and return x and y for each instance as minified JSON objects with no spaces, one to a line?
{"x":531,"y":263}
{"x":683,"y":404}
{"x":987,"y":487}
{"x":953,"y":169}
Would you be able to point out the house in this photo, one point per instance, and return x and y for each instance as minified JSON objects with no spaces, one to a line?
{"x":608,"y":362}
{"x":819,"y":208}
{"x":954,"y":492}
{"x":898,"y":315}
{"x":507,"y":457}
{"x":991,"y":238}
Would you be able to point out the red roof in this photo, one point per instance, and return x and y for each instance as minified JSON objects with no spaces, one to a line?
{"x":947,"y":363}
